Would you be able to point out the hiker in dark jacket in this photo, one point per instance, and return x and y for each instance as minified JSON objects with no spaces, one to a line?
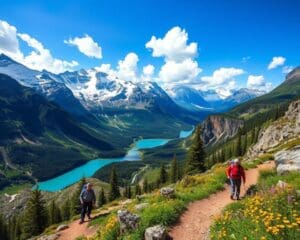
{"x":236,"y":173}
{"x":87,"y":199}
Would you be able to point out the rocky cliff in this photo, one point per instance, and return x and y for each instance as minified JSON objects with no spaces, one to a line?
{"x":279,"y":132}
{"x":218,"y":128}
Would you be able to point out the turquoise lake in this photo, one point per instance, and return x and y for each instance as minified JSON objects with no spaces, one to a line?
{"x":89,"y":168}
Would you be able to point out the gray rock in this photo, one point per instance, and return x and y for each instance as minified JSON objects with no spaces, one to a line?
{"x":157,"y":232}
{"x":49,"y":237}
{"x":141,"y":206}
{"x":61,"y":227}
{"x":287,"y":161}
{"x":279,"y":132}
{"x":127,"y":220}
{"x":167,"y":192}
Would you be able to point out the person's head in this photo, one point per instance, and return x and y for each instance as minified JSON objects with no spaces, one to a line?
{"x":89,"y":186}
{"x":236,"y":161}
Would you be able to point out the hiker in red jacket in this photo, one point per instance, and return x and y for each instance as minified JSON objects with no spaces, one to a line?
{"x":235,"y":173}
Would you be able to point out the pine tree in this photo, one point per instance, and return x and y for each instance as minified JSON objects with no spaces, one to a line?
{"x":75,"y":201}
{"x":114,"y":191}
{"x":102,"y":198}
{"x":138,"y":190}
{"x":238,"y":149}
{"x":195,"y":161}
{"x":129,"y":194}
{"x":163,"y":175}
{"x":245,"y":144}
{"x":174,"y":174}
{"x":35,"y":216}
{"x":54,"y":213}
{"x":145,"y":186}
{"x":252,"y":138}
{"x":3,"y":229}
{"x":66,"y":210}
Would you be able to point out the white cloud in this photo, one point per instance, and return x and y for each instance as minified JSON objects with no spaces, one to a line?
{"x":127,"y":68}
{"x":255,"y":81}
{"x":287,"y":69}
{"x":258,"y":82}
{"x":39,"y":58}
{"x":179,"y":72}
{"x":86,"y":45}
{"x":221,"y":78}
{"x":173,"y":45}
{"x":148,"y":72}
{"x":180,"y":66}
{"x":9,"y":43}
{"x":276,"y":62}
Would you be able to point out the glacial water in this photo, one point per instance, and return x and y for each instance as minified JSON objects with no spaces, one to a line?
{"x":89,"y":168}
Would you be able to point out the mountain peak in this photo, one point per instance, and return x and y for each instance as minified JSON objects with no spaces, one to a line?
{"x":293,"y":75}
{"x":6,"y":60}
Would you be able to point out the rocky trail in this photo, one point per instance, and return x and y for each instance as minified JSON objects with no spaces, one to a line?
{"x":195,"y":222}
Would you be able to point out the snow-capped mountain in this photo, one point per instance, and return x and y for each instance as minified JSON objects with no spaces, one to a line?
{"x":213,"y":100}
{"x":45,"y":83}
{"x":92,"y":91}
{"x":98,"y":89}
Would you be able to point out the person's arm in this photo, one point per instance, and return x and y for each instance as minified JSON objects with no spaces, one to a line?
{"x":243,"y":175}
{"x":228,"y":172}
{"x":81,"y":197}
{"x":94,"y":197}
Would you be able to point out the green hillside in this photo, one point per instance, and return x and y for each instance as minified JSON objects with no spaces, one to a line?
{"x":39,"y":138}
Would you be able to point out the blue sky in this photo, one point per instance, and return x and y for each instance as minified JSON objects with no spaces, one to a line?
{"x":225,"y":33}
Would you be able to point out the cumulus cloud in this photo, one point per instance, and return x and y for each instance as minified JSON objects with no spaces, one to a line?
{"x":180,"y":66}
{"x":258,"y":82}
{"x":222,"y":78}
{"x":148,"y":72}
{"x":9,"y":43}
{"x":127,"y":68}
{"x":276,"y":62}
{"x":287,"y":69}
{"x":39,"y":58}
{"x":86,"y":45}
{"x":173,"y":45}
{"x":179,"y":72}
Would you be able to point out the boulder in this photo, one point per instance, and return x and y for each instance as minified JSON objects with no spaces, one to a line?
{"x":61,"y":227}
{"x":157,"y":232}
{"x":127,"y":220}
{"x":288,"y":160}
{"x":49,"y":237}
{"x":167,"y":192}
{"x":141,"y":206}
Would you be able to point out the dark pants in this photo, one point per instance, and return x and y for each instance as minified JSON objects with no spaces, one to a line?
{"x":86,"y":209}
{"x":236,"y":187}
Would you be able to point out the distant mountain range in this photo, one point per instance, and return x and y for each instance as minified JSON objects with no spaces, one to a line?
{"x":196,"y":100}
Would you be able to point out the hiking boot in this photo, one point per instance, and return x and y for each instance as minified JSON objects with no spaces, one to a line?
{"x":89,"y":217}
{"x":81,"y":222}
{"x":231,"y":197}
{"x":238,"y":198}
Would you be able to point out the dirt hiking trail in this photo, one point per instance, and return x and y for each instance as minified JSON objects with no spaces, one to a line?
{"x":195,"y":222}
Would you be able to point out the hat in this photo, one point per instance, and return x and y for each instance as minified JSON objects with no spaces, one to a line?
{"x":236,"y":160}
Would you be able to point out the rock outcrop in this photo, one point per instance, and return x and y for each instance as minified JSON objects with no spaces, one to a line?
{"x":157,"y":232}
{"x":287,"y":161}
{"x":127,"y":220}
{"x":281,"y":131}
{"x":219,"y":128}
{"x":167,"y":192}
